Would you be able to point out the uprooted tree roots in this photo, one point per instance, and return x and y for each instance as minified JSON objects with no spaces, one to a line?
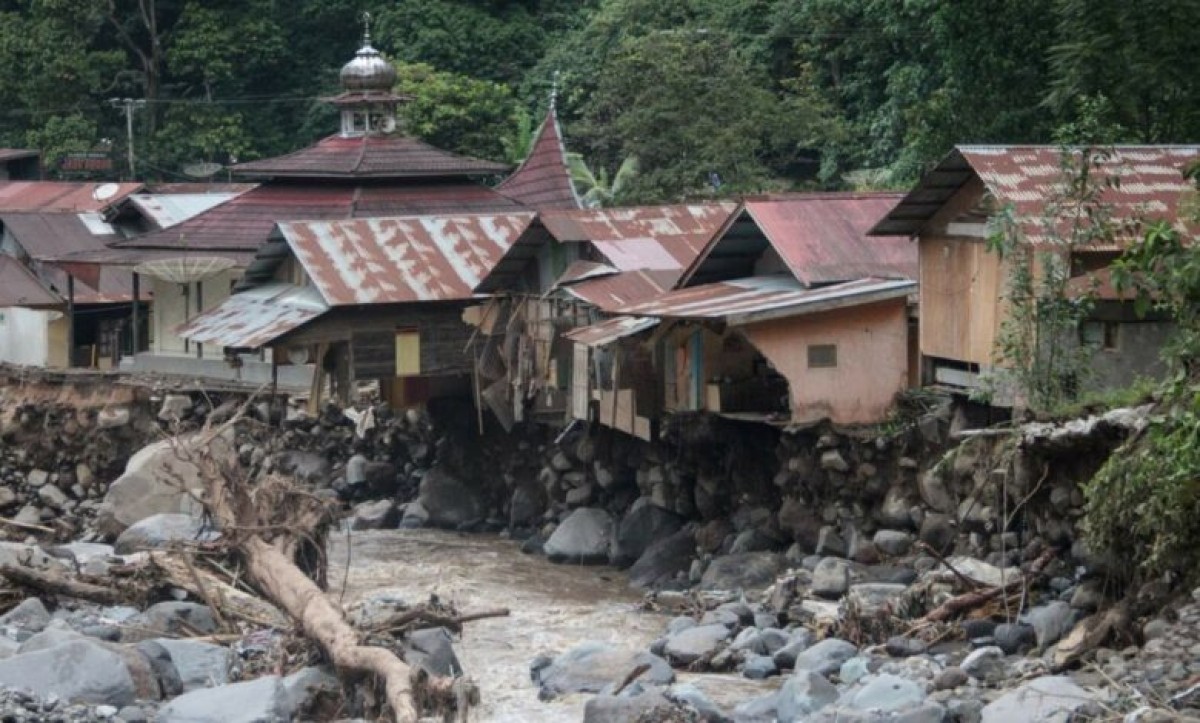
{"x":274,"y":531}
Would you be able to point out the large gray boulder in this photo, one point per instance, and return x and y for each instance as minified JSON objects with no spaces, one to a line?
{"x":449,"y":502}
{"x":79,"y":671}
{"x":590,"y":667}
{"x":585,"y":537}
{"x":1050,"y":699}
{"x":169,"y":618}
{"x":826,"y":657}
{"x":158,"y":479}
{"x":831,"y":577}
{"x":885,"y":693}
{"x":803,"y":694}
{"x":200,"y":665}
{"x":162,"y":530}
{"x":642,"y":526}
{"x":700,"y":641}
{"x":262,"y":700}
{"x":663,"y":561}
{"x":650,"y":705}
{"x":432,"y":650}
{"x":746,"y":571}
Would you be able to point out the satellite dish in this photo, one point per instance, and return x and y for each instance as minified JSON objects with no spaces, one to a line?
{"x":297,"y":355}
{"x":389,"y":124}
{"x":184,"y":269}
{"x":202,"y":170}
{"x":105,"y":191}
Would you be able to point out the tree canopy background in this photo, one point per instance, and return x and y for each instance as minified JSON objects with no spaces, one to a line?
{"x":711,"y":97}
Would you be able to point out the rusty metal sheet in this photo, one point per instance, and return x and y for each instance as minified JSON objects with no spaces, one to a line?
{"x":581,"y":270}
{"x":612,"y":292}
{"x":822,"y":238}
{"x":407,"y":259}
{"x":62,"y":196}
{"x":255,"y":317}
{"x":245,"y":223}
{"x":760,"y":297}
{"x":607,"y":332}
{"x":170,"y":209}
{"x":680,"y":231}
{"x":21,"y":287}
{"x":370,"y":156}
{"x":47,"y":236}
{"x":1151,"y":183}
{"x":543,"y":181}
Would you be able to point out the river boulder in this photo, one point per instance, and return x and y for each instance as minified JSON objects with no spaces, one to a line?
{"x":748,"y":570}
{"x":79,"y":671}
{"x":161,"y":530}
{"x":663,"y":561}
{"x":449,"y":502}
{"x":590,"y":667}
{"x":642,"y":526}
{"x":585,"y":537}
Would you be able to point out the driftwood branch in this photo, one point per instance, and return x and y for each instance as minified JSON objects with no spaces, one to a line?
{"x":401,"y":620}
{"x":977,"y":598}
{"x":55,"y":584}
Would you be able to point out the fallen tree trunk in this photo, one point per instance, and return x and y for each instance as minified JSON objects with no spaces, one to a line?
{"x":977,"y":598}
{"x":56,"y":584}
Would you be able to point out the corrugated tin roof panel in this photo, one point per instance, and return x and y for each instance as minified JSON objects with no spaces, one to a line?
{"x":682,"y":229}
{"x":580,"y":270}
{"x":169,"y":209}
{"x":823,"y":238}
{"x":49,"y":236}
{"x":21,"y":287}
{"x":543,"y":181}
{"x":255,"y":317}
{"x":607,"y":332}
{"x":370,"y":156}
{"x":398,"y":260}
{"x":1150,"y":184}
{"x":744,"y":299}
{"x":612,"y":292}
{"x":59,"y":196}
{"x":245,"y":223}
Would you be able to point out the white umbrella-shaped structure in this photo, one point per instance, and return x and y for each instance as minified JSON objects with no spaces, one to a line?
{"x":185,"y":270}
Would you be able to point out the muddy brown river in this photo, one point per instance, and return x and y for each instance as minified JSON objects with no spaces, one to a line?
{"x":554,"y":608}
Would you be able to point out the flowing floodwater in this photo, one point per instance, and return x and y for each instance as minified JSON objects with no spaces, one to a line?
{"x":554,"y":608}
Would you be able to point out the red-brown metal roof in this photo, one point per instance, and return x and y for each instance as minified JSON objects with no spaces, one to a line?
{"x":823,"y":238}
{"x":58,"y":196}
{"x":16,"y":154}
{"x":580,"y":270}
{"x":680,"y":228}
{"x":758,"y":298}
{"x":45,"y":237}
{"x":21,"y":287}
{"x":612,"y":292}
{"x":370,"y":156}
{"x":1151,"y":183}
{"x":398,"y":260}
{"x":606,"y":332}
{"x":255,"y":317}
{"x":245,"y":223}
{"x":543,"y":181}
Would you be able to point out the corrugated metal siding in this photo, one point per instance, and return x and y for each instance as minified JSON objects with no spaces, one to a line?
{"x":20,"y":287}
{"x":255,"y":317}
{"x":169,"y":209}
{"x":398,"y":260}
{"x":58,"y":196}
{"x":49,"y":236}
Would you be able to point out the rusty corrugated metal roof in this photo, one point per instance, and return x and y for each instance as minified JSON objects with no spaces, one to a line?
{"x":1151,"y":183}
{"x":580,"y":270}
{"x":614,"y":291}
{"x":246,"y":222}
{"x":46,"y":237}
{"x":255,"y":317}
{"x":21,"y":287}
{"x":370,"y":156}
{"x":682,"y":228}
{"x":170,"y":209}
{"x":607,"y":332}
{"x":757,"y":298}
{"x":823,"y":237}
{"x":543,"y":180}
{"x":61,"y":196}
{"x":398,"y":260}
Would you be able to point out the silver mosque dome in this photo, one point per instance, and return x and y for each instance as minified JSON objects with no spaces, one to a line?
{"x":368,"y":71}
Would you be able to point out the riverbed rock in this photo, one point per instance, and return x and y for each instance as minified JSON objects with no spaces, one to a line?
{"x":199,"y":665}
{"x":1051,"y":622}
{"x":663,"y":561}
{"x":79,"y":670}
{"x":253,"y":701}
{"x":450,"y":502}
{"x":831,"y":578}
{"x":803,"y":694}
{"x":527,"y":505}
{"x":885,"y":693}
{"x":591,"y":666}
{"x":984,"y":664}
{"x":585,"y":537}
{"x":432,"y":649}
{"x":747,"y":571}
{"x":1041,"y":700}
{"x":162,"y":530}
{"x":826,"y":657}
{"x":650,"y":705}
{"x":692,"y":644}
{"x":169,"y":618}
{"x":871,"y":598}
{"x":642,"y":526}
{"x":30,"y":616}
{"x":893,"y":542}
{"x":158,"y":480}
{"x":377,"y":515}
{"x":1014,"y":638}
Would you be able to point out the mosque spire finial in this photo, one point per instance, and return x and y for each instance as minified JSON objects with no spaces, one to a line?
{"x":366,"y":19}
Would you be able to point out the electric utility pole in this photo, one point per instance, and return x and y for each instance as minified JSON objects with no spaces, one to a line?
{"x":128,"y":106}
